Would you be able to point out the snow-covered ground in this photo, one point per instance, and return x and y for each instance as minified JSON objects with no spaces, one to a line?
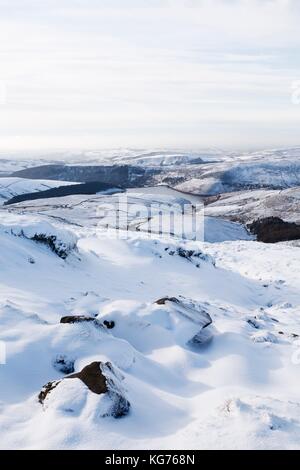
{"x":137,"y":209}
{"x":242,"y":174}
{"x":12,"y":186}
{"x":246,"y":206}
{"x":213,"y":364}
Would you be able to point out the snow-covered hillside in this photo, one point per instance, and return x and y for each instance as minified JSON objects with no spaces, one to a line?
{"x":243,"y":175}
{"x":194,"y":344}
{"x":141,"y":209}
{"x":165,"y":159}
{"x":118,"y":156}
{"x":10,"y":187}
{"x":11,"y":162}
{"x":205,"y":172}
{"x":246,"y":206}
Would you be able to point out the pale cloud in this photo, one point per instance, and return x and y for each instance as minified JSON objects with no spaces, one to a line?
{"x":149,"y":73}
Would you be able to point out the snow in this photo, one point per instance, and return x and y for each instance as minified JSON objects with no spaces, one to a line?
{"x":144,"y":157}
{"x":60,"y":239}
{"x":207,"y":171}
{"x":101,"y":210}
{"x":154,"y":159}
{"x":204,"y":336}
{"x":274,"y":169}
{"x":238,"y":390}
{"x":246,"y":206}
{"x":12,"y":186}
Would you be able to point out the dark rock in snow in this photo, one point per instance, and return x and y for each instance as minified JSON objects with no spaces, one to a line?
{"x":76,"y":319}
{"x":274,"y":229}
{"x":51,"y":242}
{"x":193,"y":311}
{"x":47,"y":389}
{"x":109,"y":324}
{"x":252,"y":322}
{"x":63,"y":364}
{"x":58,"y":246}
{"x":202,"y":337}
{"x":185,"y":253}
{"x":291,"y":335}
{"x":100,"y":378}
{"x":92,"y":377}
{"x":163,"y":300}
{"x":194,"y":256}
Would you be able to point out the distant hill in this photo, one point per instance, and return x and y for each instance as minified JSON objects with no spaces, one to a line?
{"x":85,"y":188}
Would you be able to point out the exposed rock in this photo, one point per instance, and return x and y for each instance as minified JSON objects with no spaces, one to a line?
{"x":120,"y":406}
{"x":63,"y":364}
{"x":193,"y":311}
{"x":76,"y":319}
{"x":109,"y":324}
{"x":92,"y":377}
{"x":290,"y":335}
{"x":51,"y":242}
{"x":274,"y":319}
{"x":274,"y":229}
{"x":194,"y":256}
{"x":47,"y":389}
{"x":101,"y":379}
{"x":60,"y":240}
{"x":163,"y":300}
{"x":264,"y":337}
{"x":202,"y":337}
{"x":185,"y":253}
{"x":254,"y":323}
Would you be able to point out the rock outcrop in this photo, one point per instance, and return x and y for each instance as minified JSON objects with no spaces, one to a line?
{"x":76,"y":319}
{"x":63,"y":364}
{"x":99,"y":378}
{"x":194,"y":312}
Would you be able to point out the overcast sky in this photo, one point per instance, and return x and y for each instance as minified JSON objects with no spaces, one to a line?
{"x":149,"y":73}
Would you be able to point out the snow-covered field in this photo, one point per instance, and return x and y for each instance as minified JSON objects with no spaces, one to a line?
{"x":131,"y":210}
{"x":202,"y":336}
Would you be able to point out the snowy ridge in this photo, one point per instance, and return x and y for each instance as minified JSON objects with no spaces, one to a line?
{"x":206,"y":172}
{"x":13,"y":186}
{"x":59,"y":239}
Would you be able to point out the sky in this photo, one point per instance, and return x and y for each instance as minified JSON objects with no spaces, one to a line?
{"x":149,"y":73}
